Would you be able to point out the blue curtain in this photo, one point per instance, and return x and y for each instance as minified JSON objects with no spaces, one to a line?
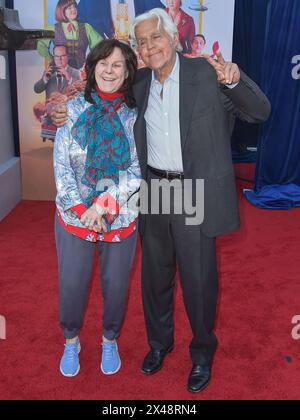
{"x":278,"y":166}
{"x":248,"y":52}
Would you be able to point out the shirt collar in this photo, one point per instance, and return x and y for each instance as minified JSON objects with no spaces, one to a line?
{"x":174,"y":76}
{"x":73,"y":22}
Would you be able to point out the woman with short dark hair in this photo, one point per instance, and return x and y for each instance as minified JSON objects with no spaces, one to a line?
{"x":98,"y":178}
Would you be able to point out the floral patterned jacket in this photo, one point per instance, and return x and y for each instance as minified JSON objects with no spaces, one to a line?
{"x":69,"y":166}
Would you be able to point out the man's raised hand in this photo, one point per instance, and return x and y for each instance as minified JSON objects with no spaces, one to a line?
{"x":228,"y":73}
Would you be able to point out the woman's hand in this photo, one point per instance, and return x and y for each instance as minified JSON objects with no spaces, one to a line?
{"x":93,"y":220}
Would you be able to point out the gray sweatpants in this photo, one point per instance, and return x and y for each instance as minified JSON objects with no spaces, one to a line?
{"x":75,"y":263}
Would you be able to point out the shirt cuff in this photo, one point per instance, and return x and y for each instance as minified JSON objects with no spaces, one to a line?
{"x":80,"y":209}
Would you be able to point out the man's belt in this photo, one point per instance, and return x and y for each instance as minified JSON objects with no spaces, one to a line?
{"x":169,"y":175}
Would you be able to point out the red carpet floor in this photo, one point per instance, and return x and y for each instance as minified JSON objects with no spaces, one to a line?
{"x":260,"y":293}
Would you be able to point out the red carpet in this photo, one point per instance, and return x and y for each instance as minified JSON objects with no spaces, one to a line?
{"x":260,"y":293}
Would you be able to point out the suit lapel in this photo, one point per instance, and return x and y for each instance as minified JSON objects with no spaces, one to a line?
{"x":187,"y":96}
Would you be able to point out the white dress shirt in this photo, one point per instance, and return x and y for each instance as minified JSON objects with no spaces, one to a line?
{"x":163,"y":125}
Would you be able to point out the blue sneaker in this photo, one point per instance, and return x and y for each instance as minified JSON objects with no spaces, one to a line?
{"x":111,"y":362}
{"x":69,"y":365}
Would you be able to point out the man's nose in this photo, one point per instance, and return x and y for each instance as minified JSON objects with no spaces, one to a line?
{"x":150,"y":44}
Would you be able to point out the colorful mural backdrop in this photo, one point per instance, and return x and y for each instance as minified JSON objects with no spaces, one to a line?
{"x":55,"y":73}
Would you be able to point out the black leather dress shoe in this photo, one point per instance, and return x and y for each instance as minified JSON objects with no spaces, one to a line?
{"x":154,"y":361}
{"x":199,"y":378}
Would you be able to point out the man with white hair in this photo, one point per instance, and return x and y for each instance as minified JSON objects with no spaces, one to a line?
{"x":183,"y":133}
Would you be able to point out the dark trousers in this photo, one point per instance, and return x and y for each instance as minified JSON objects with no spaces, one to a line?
{"x":75,"y":263}
{"x":166,"y":241}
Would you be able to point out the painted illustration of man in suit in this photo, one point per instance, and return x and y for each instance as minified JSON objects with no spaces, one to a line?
{"x":184,"y":22}
{"x":186,"y":109}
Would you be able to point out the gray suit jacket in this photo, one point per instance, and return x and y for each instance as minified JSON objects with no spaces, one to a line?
{"x":207,"y":114}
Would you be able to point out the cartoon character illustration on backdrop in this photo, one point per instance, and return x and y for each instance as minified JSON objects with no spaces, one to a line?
{"x":184,"y":22}
{"x":198,"y":46}
{"x":59,"y":74}
{"x":59,"y":82}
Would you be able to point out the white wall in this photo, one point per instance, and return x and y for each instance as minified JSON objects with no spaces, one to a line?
{"x":6,"y":133}
{"x":10,"y":173}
